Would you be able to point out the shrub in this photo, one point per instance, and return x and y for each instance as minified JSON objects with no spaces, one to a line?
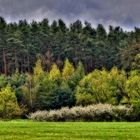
{"x":99,"y":112}
{"x":122,"y":113}
{"x":135,"y":116}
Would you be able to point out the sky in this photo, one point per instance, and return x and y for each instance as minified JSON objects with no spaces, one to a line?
{"x":125,"y":13}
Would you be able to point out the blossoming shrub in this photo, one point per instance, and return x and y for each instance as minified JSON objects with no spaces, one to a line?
{"x":99,"y":112}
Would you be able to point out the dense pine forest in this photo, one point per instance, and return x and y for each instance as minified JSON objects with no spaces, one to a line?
{"x":48,"y":66}
{"x":21,"y":44}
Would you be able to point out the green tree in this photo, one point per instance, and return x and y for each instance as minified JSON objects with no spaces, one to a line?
{"x":3,"y":81}
{"x":136,"y":63}
{"x":130,"y":57}
{"x":133,"y":86}
{"x":44,"y":93}
{"x":30,"y":90}
{"x":117,"y":82}
{"x":16,"y":81}
{"x":102,"y":87}
{"x":78,"y":74}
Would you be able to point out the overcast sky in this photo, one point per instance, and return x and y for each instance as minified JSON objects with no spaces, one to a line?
{"x":115,"y":12}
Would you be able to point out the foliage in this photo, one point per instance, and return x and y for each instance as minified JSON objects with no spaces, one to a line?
{"x":102,"y":86}
{"x":53,"y":94}
{"x":68,"y":70}
{"x":100,"y":112}
{"x":3,"y":81}
{"x":130,"y":57}
{"x":9,"y":107}
{"x":55,"y":73}
{"x":69,"y":85}
{"x":117,"y":82}
{"x":49,"y":66}
{"x":133,"y":85}
{"x":31,"y":86}
{"x":16,"y":81}
{"x":38,"y":71}
{"x":21,"y":43}
{"x":29,"y":89}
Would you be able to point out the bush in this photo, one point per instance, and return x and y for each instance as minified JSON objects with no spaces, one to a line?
{"x":122,"y":113}
{"x":99,"y":112}
{"x":135,"y":116}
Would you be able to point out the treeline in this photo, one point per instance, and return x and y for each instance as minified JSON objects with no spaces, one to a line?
{"x":22,"y":43}
{"x":21,"y":94}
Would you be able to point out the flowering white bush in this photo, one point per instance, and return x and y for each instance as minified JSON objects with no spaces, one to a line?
{"x":99,"y":112}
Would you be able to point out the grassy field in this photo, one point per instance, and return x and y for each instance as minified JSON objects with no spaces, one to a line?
{"x":27,"y":130}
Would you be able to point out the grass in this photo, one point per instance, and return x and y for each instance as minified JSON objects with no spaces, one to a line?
{"x":28,"y":130}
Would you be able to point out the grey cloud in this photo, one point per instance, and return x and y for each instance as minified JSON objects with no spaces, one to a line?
{"x":116,"y":12}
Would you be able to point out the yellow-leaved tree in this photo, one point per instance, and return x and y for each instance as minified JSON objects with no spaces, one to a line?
{"x":38,"y":70}
{"x":55,"y":73}
{"x":31,"y":87}
{"x":9,"y":107}
{"x":68,"y":70}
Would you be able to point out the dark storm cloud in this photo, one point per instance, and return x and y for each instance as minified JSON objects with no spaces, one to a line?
{"x":116,"y":12}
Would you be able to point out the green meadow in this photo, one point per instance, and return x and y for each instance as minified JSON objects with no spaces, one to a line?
{"x":28,"y":130}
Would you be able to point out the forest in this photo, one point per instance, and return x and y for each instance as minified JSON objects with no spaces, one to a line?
{"x":22,"y":43}
{"x":48,"y":66}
